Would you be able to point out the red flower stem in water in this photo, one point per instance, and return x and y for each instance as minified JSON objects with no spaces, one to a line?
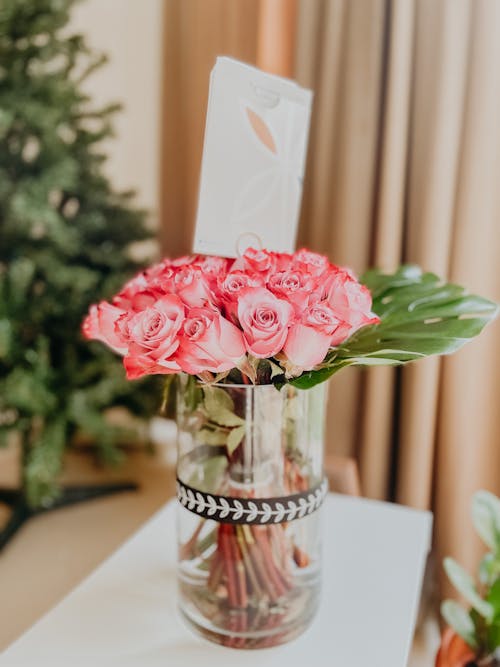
{"x":237,"y":568}
{"x":229,"y":565}
{"x":249,"y":567}
{"x":277,"y":537}
{"x":283,"y":548}
{"x":265,"y":578}
{"x":263,"y":543}
{"x":259,"y":570}
{"x":216,"y":568}
{"x":278,"y":557}
{"x":240,"y":570}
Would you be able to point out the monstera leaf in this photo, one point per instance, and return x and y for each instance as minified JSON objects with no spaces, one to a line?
{"x":420,"y":315}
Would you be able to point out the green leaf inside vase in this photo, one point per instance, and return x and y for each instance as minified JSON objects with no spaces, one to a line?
{"x":234,"y":438}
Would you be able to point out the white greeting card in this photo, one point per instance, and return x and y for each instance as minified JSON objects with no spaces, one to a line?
{"x":253,"y":161}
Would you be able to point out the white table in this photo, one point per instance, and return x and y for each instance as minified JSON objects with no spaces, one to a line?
{"x":124,"y":614}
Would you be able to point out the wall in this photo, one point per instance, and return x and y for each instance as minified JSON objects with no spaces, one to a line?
{"x":130,"y":32}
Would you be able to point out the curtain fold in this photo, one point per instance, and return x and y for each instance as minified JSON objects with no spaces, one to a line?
{"x":375,"y":444}
{"x":440,"y":67}
{"x":339,"y":192}
{"x":277,"y":23}
{"x":196,"y":32}
{"x":468,"y":452}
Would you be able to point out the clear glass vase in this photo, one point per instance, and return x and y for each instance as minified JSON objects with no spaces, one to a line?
{"x":250,"y":484}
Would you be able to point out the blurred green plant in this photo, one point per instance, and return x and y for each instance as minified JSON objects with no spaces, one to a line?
{"x":479,"y":626}
{"x":65,"y":240}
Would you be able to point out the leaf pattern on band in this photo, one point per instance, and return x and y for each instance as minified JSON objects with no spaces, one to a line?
{"x":255,"y":510}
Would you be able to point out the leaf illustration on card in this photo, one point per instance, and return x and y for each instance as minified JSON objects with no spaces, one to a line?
{"x":262,"y":131}
{"x":255,"y":196}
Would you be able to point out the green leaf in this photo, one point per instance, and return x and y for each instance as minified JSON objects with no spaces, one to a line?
{"x":419,"y":315}
{"x":489,"y":568}
{"x":43,"y":463}
{"x":209,"y":475}
{"x":234,"y":438}
{"x":464,"y":584}
{"x":191,"y":392}
{"x":458,"y":619}
{"x":213,"y":472}
{"x":219,"y":407}
{"x":26,"y":391}
{"x":312,"y":378}
{"x":493,"y":637}
{"x":216,"y":398}
{"x":410,"y":295}
{"x":168,"y":399}
{"x":21,"y":272}
{"x":227,"y":418}
{"x":486,"y":517}
{"x":493,"y":598}
{"x":206,"y":436}
{"x":6,"y":338}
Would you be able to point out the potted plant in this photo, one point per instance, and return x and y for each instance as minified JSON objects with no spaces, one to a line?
{"x":473,"y":635}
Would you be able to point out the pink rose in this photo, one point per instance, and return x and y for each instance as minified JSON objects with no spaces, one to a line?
{"x":161,"y":276}
{"x":236,"y":281}
{"x":132,"y":287}
{"x":309,"y":340}
{"x":192,"y":287}
{"x":209,"y":343}
{"x":256,"y":262}
{"x":213,"y":268}
{"x":137,"y":301}
{"x":152,"y":337}
{"x":185,"y":260}
{"x":283,"y":261}
{"x":231,"y":286}
{"x":310,"y":262}
{"x":265,"y":320}
{"x":294,"y":285}
{"x":100,"y":324}
{"x":159,"y":269}
{"x":350,"y":300}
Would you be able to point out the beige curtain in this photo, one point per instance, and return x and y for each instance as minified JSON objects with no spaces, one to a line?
{"x":196,"y":31}
{"x":404,"y":165}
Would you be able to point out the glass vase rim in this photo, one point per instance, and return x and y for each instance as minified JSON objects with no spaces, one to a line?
{"x":241,"y":385}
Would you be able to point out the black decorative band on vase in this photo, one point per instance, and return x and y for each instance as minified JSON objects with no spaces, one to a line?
{"x":252,"y":511}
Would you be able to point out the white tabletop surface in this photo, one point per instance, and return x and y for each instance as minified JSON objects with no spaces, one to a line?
{"x":124,"y":614}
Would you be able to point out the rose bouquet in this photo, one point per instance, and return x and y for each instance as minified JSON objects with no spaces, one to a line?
{"x":231,"y":333}
{"x":210,"y":315}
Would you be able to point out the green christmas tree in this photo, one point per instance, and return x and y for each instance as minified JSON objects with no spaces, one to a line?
{"x":65,"y":239}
